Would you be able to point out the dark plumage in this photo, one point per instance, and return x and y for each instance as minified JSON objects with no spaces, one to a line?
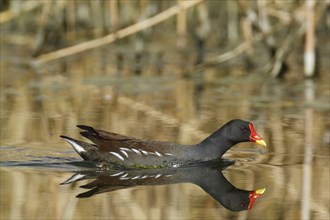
{"x":131,"y":152}
{"x":207,"y":176}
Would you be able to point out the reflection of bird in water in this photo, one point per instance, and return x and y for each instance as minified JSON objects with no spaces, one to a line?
{"x":208,"y":176}
{"x":125,"y":151}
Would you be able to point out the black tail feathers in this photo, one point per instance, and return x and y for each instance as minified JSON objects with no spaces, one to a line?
{"x":88,"y":131}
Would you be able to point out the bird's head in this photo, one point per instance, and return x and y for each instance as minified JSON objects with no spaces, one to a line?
{"x":254,"y":195}
{"x":242,"y":131}
{"x":240,"y":200}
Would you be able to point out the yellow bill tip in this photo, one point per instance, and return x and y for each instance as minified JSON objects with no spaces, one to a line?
{"x":260,"y":191}
{"x":261,"y":142}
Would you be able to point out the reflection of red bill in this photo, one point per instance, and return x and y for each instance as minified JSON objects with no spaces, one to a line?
{"x":254,"y":195}
{"x":255,"y":137}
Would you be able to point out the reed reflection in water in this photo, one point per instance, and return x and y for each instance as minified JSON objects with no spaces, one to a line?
{"x":36,"y":109}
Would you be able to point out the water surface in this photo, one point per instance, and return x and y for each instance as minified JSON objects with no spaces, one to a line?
{"x":37,"y":107}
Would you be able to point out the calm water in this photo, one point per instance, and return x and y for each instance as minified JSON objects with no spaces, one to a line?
{"x":39,"y":105}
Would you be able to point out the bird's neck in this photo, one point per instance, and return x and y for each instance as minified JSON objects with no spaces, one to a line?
{"x":216,"y":144}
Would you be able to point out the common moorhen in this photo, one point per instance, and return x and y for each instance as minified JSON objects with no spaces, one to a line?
{"x":125,"y":151}
{"x":209,"y":177}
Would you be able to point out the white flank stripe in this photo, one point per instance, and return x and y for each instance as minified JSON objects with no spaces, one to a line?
{"x":145,"y":176}
{"x":125,"y":175}
{"x":117,"y":155}
{"x":117,"y":174}
{"x":124,"y":148}
{"x":158,"y":154}
{"x":124,"y":152}
{"x":76,"y":146}
{"x":124,"y":178}
{"x":158,"y":175}
{"x":144,"y":152}
{"x":168,"y":154}
{"x":136,"y":177}
{"x":136,"y":151}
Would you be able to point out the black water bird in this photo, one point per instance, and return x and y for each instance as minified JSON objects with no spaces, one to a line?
{"x":207,"y":176}
{"x":124,"y":151}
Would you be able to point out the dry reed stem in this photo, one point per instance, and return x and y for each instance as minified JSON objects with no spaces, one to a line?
{"x":244,"y":46}
{"x":114,"y":36}
{"x":27,"y":6}
{"x":309,"y":54}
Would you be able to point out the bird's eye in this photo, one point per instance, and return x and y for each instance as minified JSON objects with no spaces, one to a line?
{"x":244,"y":129}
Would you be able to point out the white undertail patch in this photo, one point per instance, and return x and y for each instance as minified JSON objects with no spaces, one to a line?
{"x":76,"y":146}
{"x":74,"y":178}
